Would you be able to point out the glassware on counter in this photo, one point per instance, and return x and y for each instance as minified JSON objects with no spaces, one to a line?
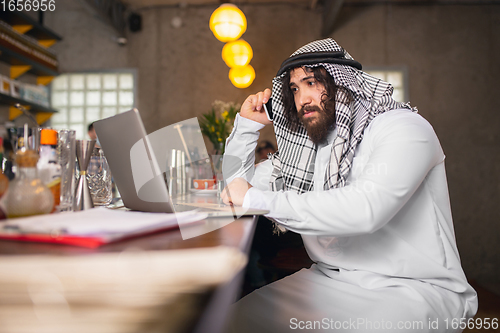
{"x":67,"y":157}
{"x":83,"y":199}
{"x":49,"y":169}
{"x":27,"y":194}
{"x":4,"y":180}
{"x":99,"y":179}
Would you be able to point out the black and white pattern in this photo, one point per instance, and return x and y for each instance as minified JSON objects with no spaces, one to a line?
{"x":293,"y":164}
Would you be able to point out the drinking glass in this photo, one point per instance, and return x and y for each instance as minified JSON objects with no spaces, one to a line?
{"x":99,"y":179}
{"x":67,"y":155}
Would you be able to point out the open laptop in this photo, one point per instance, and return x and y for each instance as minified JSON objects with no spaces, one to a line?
{"x":136,"y":160}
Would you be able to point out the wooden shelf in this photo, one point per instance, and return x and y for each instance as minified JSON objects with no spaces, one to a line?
{"x":15,"y":59}
{"x":24,"y":46}
{"x":37,"y":31}
{"x":33,"y":107}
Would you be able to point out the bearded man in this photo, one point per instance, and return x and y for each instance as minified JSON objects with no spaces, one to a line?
{"x":361,"y":177}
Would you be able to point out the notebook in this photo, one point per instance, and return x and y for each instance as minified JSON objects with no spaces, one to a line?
{"x":137,"y":162}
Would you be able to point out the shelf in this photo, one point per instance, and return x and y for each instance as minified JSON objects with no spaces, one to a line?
{"x":15,"y":59}
{"x":33,"y":107}
{"x":24,"y":46}
{"x":37,"y":31}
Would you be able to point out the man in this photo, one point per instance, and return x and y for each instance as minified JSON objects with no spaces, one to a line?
{"x":93,"y":135}
{"x":263,"y":149}
{"x":91,"y":132}
{"x":361,"y":177}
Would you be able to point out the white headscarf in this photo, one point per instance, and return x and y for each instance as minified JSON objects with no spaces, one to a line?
{"x":293,"y":164}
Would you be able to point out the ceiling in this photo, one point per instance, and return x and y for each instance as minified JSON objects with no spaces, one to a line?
{"x":114,"y":11}
{"x":330,"y":7}
{"x":136,"y":4}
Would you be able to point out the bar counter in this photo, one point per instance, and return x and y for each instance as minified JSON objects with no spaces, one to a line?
{"x":213,"y":314}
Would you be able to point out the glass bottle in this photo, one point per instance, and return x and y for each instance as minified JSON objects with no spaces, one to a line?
{"x":99,"y":178}
{"x":49,"y":169}
{"x":4,"y":180}
{"x":27,"y":194}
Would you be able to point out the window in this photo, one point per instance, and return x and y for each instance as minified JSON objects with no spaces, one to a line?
{"x":82,"y":98}
{"x":397,"y":77}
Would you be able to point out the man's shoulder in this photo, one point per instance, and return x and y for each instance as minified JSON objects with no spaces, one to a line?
{"x":399,"y":117}
{"x":399,"y":123}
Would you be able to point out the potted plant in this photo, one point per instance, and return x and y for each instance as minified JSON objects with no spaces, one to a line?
{"x":217,"y":124}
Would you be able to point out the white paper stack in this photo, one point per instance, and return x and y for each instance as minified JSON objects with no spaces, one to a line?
{"x":93,"y":227}
{"x":101,"y":221}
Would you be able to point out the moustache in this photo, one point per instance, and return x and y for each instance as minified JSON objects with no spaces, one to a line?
{"x":308,"y":108}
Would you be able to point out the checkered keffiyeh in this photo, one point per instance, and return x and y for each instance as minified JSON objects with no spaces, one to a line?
{"x":293,"y":164}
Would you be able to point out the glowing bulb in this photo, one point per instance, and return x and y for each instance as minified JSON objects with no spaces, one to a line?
{"x":242,"y":77}
{"x":238,"y":53}
{"x":228,"y":23}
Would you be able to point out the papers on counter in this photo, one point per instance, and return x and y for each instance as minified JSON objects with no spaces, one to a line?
{"x":92,"y":227}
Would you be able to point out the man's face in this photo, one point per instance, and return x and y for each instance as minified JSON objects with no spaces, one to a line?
{"x":308,"y":94}
{"x":92,"y":134}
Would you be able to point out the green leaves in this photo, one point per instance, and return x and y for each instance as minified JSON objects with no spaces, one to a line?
{"x":217,"y":124}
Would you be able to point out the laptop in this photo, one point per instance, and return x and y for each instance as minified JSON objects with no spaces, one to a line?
{"x":138,"y":162}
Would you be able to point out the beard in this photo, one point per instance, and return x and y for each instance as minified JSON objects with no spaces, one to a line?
{"x":317,"y":126}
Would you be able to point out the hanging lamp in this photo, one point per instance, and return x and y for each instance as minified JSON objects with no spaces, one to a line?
{"x":228,"y":23}
{"x":242,"y":76}
{"x":237,"y":53}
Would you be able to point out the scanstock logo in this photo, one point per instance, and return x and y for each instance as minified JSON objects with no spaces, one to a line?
{"x":164,"y":165}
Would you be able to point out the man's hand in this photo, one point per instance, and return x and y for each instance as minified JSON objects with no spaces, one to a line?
{"x":235,"y":191}
{"x":252,"y":107}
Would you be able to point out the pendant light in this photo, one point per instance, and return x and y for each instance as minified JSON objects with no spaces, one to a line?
{"x":237,"y":53}
{"x":228,"y":23}
{"x":242,"y":76}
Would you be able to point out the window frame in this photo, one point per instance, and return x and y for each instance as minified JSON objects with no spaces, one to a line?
{"x":86,"y":121}
{"x":386,"y":69}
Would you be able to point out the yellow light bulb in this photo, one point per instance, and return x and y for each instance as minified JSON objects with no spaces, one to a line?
{"x":238,"y":53}
{"x":228,"y":23}
{"x":242,"y":77}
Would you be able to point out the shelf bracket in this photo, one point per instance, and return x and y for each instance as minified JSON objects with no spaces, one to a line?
{"x":47,"y":42}
{"x":16,"y":71}
{"x":22,"y":28}
{"x":14,"y":112}
{"x":44,"y":80}
{"x":42,"y":117}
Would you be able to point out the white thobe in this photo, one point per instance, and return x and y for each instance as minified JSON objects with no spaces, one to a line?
{"x":384,"y":246}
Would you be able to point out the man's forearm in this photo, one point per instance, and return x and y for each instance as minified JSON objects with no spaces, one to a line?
{"x":239,"y":156}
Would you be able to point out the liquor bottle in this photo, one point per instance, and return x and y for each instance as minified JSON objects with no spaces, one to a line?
{"x":49,"y":169}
